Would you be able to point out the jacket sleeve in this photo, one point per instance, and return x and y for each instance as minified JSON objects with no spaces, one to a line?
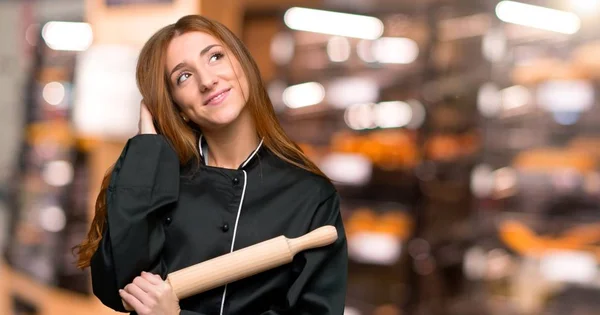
{"x":320,"y":287}
{"x":144,"y":182}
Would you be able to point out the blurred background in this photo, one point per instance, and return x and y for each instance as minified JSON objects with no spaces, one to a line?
{"x":462,"y":135}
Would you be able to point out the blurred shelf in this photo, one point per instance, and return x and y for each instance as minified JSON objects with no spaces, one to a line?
{"x":48,"y":300}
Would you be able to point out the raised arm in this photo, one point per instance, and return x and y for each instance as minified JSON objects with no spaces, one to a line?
{"x":144,"y":184}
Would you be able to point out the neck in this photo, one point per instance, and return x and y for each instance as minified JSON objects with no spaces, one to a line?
{"x":230,"y":146}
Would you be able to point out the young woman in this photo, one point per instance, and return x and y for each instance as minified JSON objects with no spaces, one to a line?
{"x":210,"y":172}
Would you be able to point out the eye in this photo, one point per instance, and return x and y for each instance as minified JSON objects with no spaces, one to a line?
{"x":182,"y":77}
{"x":216,"y":56}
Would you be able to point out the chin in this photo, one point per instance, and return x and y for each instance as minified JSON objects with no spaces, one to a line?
{"x":222,"y":117}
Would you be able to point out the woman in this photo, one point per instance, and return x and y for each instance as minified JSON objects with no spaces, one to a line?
{"x":210,"y":172}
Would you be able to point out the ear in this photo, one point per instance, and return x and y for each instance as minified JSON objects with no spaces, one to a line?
{"x":184,"y":117}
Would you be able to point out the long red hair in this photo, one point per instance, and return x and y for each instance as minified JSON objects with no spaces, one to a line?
{"x":153,"y":84}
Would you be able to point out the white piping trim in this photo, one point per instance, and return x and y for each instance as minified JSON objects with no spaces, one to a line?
{"x":237,"y":219}
{"x":201,"y":149}
{"x":200,"y":146}
{"x":243,"y":164}
{"x":253,"y":154}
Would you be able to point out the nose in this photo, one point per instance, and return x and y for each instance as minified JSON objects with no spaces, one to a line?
{"x":208,"y":80}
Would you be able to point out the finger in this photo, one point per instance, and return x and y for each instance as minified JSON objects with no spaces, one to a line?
{"x":140,"y":294}
{"x":145,"y":285}
{"x":138,"y":306}
{"x":128,"y":307}
{"x":152,"y":278}
{"x":146,"y":122}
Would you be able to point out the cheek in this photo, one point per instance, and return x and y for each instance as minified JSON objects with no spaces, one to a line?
{"x":243,"y":82}
{"x":177,"y":99}
{"x":245,"y":88}
{"x":182,"y":97}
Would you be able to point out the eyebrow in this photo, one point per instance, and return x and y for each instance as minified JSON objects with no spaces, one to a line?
{"x":202,"y":53}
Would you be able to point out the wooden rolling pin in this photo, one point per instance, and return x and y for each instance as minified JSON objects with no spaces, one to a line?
{"x":245,"y":262}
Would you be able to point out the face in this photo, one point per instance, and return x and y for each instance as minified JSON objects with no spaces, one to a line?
{"x":207,"y":81}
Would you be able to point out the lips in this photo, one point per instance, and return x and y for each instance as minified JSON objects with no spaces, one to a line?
{"x":218,"y":97}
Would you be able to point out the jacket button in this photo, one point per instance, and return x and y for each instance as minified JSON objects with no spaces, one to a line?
{"x":225,"y":227}
{"x":236,"y":181}
{"x":168,"y":220}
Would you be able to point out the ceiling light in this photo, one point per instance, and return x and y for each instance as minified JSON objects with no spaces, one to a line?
{"x":351,"y":90}
{"x":54,"y":93}
{"x":515,"y":96}
{"x":566,"y":96}
{"x":282,"y":48}
{"x":538,"y":17}
{"x":364,"y":51}
{"x":489,"y":100}
{"x":347,"y":169}
{"x":395,"y":50}
{"x":302,"y":95}
{"x":393,"y":114}
{"x":360,"y":116}
{"x":338,"y":49}
{"x":417,"y":114}
{"x":333,"y":23}
{"x":70,"y":36}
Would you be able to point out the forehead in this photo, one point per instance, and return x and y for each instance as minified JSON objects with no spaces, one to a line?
{"x":187,"y":46}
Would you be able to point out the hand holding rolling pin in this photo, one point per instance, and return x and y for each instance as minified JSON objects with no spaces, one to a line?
{"x":153,"y":296}
{"x":148,"y":294}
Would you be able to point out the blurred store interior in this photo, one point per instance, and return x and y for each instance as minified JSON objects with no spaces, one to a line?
{"x":461,"y":134}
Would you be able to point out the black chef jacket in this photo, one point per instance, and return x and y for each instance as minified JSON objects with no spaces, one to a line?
{"x":163,"y":217}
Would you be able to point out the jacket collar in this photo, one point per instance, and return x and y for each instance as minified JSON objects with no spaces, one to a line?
{"x":204,"y":154}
